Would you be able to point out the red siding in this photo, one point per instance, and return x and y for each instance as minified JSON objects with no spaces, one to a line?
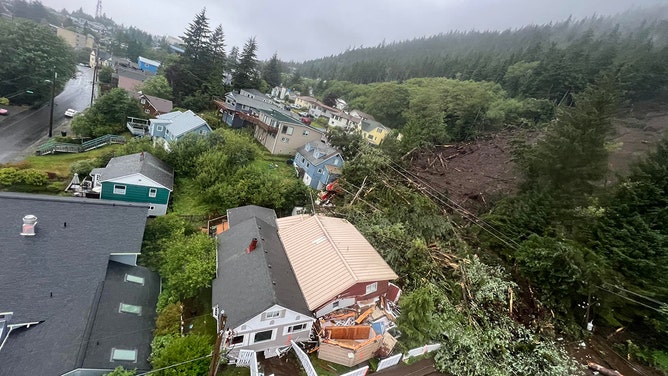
{"x":358,"y":291}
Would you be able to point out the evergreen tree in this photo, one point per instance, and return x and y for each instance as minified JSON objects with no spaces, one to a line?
{"x":217,"y":43}
{"x":272,"y":71}
{"x":196,"y":39}
{"x":246,"y":75}
{"x":232,"y":59}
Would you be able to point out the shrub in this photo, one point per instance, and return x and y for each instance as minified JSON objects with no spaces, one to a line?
{"x":31,"y":176}
{"x":84,"y":167}
{"x":9,"y":176}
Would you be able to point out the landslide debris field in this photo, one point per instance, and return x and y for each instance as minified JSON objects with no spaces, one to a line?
{"x":475,"y":173}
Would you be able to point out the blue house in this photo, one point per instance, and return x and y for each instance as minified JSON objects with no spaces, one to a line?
{"x":174,"y":125}
{"x":148,"y":65}
{"x":318,"y":164}
{"x":236,"y":105}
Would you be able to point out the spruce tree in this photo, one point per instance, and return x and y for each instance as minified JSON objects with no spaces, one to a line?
{"x":196,"y":39}
{"x":272,"y":71}
{"x":245,"y":76}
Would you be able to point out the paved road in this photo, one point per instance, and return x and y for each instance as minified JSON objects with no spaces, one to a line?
{"x":20,"y":131}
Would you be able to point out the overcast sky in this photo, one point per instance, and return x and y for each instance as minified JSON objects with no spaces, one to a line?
{"x":307,"y":29}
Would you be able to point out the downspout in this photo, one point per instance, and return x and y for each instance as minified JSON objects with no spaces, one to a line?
{"x":276,"y":139}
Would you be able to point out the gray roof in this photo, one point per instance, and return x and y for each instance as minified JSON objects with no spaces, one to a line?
{"x":134,"y":74}
{"x":182,"y":122}
{"x":56,"y":276}
{"x":250,"y":102}
{"x":136,"y":332}
{"x":369,"y":125}
{"x":162,"y":105}
{"x":250,"y":283}
{"x":326,"y":152}
{"x":150,"y":166}
{"x":242,"y":213}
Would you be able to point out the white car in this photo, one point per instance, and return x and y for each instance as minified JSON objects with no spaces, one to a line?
{"x":70,"y":112}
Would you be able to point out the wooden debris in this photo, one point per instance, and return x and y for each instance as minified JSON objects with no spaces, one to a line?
{"x":364,"y":315}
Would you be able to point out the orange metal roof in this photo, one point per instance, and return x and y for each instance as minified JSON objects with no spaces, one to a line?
{"x":328,"y":256}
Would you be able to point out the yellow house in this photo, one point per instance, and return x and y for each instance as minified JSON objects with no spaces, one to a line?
{"x":373,"y":131}
{"x":305,"y":102}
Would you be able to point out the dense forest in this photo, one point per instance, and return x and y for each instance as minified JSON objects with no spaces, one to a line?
{"x":543,"y":61}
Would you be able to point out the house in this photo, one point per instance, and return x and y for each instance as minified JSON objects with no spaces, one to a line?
{"x":361,"y":115}
{"x":74,"y":39}
{"x":283,"y":134}
{"x":153,"y":106}
{"x":101,"y":58}
{"x":139,"y":177}
{"x":236,"y":108}
{"x":318,"y":164}
{"x":305,"y":102}
{"x":148,"y":65}
{"x":340,"y":119}
{"x":72,"y":300}
{"x":255,"y":290}
{"x":354,"y":272}
{"x":340,"y":104}
{"x":319,"y":109}
{"x":340,"y":275}
{"x":175,"y":125}
{"x":129,"y":79}
{"x":373,"y":131}
{"x":255,"y":94}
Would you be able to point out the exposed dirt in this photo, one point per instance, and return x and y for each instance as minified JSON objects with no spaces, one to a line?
{"x":472,"y":174}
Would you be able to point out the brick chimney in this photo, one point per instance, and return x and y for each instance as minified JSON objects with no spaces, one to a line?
{"x":252,"y":246}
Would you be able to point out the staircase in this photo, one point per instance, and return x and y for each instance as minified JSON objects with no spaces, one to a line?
{"x":52,"y":146}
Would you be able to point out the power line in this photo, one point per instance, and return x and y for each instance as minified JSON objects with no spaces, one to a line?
{"x":631,"y":300}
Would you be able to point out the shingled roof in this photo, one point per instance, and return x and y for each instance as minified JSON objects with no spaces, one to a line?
{"x":139,"y":163}
{"x":57,"y":278}
{"x":249,"y":283}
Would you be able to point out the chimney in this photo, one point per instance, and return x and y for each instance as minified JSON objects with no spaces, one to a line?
{"x":252,"y":246}
{"x":29,"y":223}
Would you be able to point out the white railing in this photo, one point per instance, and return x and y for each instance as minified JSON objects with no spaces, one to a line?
{"x":421,"y":350}
{"x":303,"y":358}
{"x":358,"y":372}
{"x":247,"y":358}
{"x":389,"y":362}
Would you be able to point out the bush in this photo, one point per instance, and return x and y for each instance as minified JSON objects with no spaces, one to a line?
{"x":84,"y":167}
{"x":169,"y":320}
{"x":34,"y":177}
{"x":9,"y":176}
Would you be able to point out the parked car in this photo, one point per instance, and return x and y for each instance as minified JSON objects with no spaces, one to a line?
{"x":70,"y":112}
{"x":4,"y":112}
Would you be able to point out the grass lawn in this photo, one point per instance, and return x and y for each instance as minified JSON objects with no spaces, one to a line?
{"x":59,"y":164}
{"x":186,"y":200}
{"x":325,"y":368}
{"x":234,"y":371}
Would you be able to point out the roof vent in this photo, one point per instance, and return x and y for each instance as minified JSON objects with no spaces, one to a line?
{"x":29,"y":223}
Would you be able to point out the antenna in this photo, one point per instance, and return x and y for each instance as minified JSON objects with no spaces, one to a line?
{"x":98,"y":10}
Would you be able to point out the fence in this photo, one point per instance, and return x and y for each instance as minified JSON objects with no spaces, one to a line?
{"x":358,"y":372}
{"x":389,"y":362}
{"x":248,"y":359}
{"x":421,"y":350}
{"x":303,"y":358}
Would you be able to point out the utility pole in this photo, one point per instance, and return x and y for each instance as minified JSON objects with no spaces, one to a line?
{"x":53,"y":96}
{"x":92,"y":92}
{"x":215,"y":357}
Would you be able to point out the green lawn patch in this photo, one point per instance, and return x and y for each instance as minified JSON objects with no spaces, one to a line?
{"x":325,"y":368}
{"x":186,"y":200}
{"x":59,"y":164}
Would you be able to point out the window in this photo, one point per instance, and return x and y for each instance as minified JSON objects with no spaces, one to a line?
{"x":287,"y":130}
{"x":237,"y":340}
{"x":370,"y":137}
{"x":273,"y":314}
{"x":303,"y":160}
{"x":296,"y":328}
{"x":335,"y":304}
{"x":285,"y":139}
{"x":130,"y":308}
{"x":201,"y":131}
{"x":320,"y":170}
{"x":152,"y":192}
{"x":119,"y":189}
{"x":123,"y":355}
{"x":335,"y":162}
{"x":143,"y":101}
{"x":146,"y":111}
{"x":134,"y":279}
{"x":159,"y":128}
{"x":372,"y":287}
{"x":263,"y":336}
{"x":305,"y":133}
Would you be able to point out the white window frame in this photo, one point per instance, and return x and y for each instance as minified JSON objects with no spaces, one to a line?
{"x":305,"y":133}
{"x":291,"y":328}
{"x":131,"y":309}
{"x":159,"y":128}
{"x":371,"y":288}
{"x":285,"y":139}
{"x":118,"y":190}
{"x":147,"y":111}
{"x":272,"y":315}
{"x":152,"y":192}
{"x":134,"y":279}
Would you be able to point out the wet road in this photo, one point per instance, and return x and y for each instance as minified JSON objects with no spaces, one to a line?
{"x":22,"y":130}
